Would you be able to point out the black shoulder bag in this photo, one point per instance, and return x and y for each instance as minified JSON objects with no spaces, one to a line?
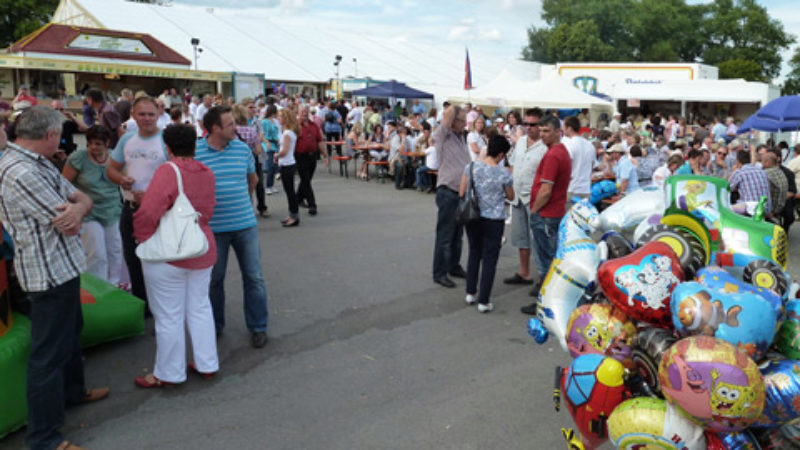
{"x":468,"y":210}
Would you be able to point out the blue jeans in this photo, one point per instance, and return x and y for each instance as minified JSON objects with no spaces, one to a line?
{"x":55,"y":367}
{"x":545,"y":241}
{"x":449,"y":234}
{"x":423,"y":179}
{"x":248,"y":254}
{"x":270,"y":169}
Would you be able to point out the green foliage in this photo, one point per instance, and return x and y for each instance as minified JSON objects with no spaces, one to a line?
{"x":736,"y":35}
{"x":791,"y":86}
{"x":21,"y":17}
{"x":741,"y":68}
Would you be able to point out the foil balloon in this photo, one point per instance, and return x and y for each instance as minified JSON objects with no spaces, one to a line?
{"x":737,"y":440}
{"x":745,"y":320}
{"x":788,"y":337}
{"x":572,"y":271}
{"x":646,"y":422}
{"x":713,"y":383}
{"x":602,"y":189}
{"x":782,"y":388}
{"x":641,"y":283}
{"x":601,"y":329}
{"x":718,"y":279}
{"x":593,"y":385}
{"x":646,"y":224}
{"x":632,"y":209}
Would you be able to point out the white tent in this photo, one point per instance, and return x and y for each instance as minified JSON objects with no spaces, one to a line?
{"x":551,"y":92}
{"x":694,"y":91}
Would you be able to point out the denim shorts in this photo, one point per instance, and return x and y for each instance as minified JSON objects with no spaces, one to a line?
{"x":520,"y":226}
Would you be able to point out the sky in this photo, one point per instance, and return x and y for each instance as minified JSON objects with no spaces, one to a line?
{"x":498,"y":26}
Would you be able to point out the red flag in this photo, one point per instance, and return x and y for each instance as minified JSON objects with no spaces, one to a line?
{"x":467,"y":73}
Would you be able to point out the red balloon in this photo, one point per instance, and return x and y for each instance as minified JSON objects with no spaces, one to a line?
{"x":640,"y":284}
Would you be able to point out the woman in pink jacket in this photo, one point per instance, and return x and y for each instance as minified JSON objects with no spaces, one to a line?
{"x":178,"y":291}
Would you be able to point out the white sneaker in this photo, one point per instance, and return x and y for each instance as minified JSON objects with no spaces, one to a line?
{"x":471,"y":299}
{"x":485,"y":308}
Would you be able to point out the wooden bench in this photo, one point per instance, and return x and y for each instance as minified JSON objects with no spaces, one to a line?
{"x":382,"y":169}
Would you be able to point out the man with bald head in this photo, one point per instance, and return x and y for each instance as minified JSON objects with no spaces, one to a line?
{"x":305,"y":154}
{"x":453,"y":155}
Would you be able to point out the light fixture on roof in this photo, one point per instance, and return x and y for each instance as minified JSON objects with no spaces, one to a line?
{"x":355,"y":65}
{"x":338,"y":80}
{"x":195,"y":42}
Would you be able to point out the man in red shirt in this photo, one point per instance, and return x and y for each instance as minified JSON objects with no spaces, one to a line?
{"x":305,"y":154}
{"x":548,"y":198}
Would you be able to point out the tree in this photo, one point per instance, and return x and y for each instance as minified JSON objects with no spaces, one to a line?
{"x":741,"y":68}
{"x":791,"y":86}
{"x":741,"y":29}
{"x":538,"y":44}
{"x":578,"y":42}
{"x":22,"y":17}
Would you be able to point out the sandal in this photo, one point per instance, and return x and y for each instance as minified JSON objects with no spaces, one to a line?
{"x":205,"y":375}
{"x":150,"y":381}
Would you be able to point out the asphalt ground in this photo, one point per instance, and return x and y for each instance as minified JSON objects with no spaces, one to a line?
{"x":365,"y":351}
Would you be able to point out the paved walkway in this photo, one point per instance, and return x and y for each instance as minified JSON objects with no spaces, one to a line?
{"x":365,"y":351}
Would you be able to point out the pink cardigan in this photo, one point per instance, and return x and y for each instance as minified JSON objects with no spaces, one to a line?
{"x":198,"y":185}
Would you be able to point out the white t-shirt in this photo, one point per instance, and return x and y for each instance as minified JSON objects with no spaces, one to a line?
{"x":141,"y":156}
{"x":583,"y":156}
{"x":131,"y":125}
{"x":288,"y":160}
{"x":163,"y":121}
{"x":474,"y":138}
{"x":430,"y":158}
{"x":198,"y":116}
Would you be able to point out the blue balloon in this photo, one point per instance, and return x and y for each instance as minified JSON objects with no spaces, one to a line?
{"x":602,"y":189}
{"x":718,"y":279}
{"x":739,"y":440}
{"x":782,"y":388}
{"x":745,"y":320}
{"x":537,"y":330}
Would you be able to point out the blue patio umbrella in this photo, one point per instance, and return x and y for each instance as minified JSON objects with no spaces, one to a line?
{"x":392,"y":89}
{"x":773,"y":126}
{"x":781,"y":109}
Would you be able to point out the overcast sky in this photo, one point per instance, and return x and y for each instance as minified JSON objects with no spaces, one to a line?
{"x":498,"y":26}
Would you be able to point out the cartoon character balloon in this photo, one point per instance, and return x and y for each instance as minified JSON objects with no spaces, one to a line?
{"x":593,"y":385}
{"x":640,"y":284}
{"x":572,"y":271}
{"x":782,"y":387}
{"x":745,"y":320}
{"x":788,"y":337}
{"x":601,"y":329}
{"x":646,"y":422}
{"x":718,"y":279}
{"x":712,"y":382}
{"x":632,"y":209}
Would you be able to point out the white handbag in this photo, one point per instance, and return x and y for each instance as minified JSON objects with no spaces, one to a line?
{"x":178,"y":235}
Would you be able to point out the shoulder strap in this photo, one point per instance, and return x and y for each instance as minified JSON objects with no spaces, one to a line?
{"x":472,"y":180}
{"x":177,"y":174}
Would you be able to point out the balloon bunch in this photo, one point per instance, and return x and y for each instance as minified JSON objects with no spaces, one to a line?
{"x":670,"y":349}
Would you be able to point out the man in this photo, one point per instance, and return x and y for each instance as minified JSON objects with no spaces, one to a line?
{"x":333,"y":126}
{"x":193,"y":104}
{"x":305,"y":154}
{"x":718,"y":130}
{"x":133,"y":163}
{"x":582,"y":154}
{"x":354,"y":116}
{"x":624,"y":171}
{"x":43,"y":213}
{"x":202,"y":109}
{"x":70,"y":126}
{"x":749,"y":182}
{"x":692,"y":164}
{"x":719,"y":167}
{"x":418,"y":108}
{"x":166,"y":98}
{"x":794,"y":164}
{"x":614,"y":125}
{"x":234,"y":221}
{"x":787,"y":216}
{"x":730,"y":130}
{"x":778,"y":184}
{"x":163,"y":114}
{"x":453,"y":155}
{"x":106,"y":114}
{"x":123,"y":105}
{"x":549,"y":194}
{"x":734,"y":147}
{"x":524,"y":161}
{"x":254,"y":123}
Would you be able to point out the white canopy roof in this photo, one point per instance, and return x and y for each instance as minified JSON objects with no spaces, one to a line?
{"x":253,"y":40}
{"x":694,"y":91}
{"x":552,"y":92}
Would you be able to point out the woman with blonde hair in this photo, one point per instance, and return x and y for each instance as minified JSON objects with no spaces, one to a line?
{"x":476,"y":139}
{"x":285,"y":159}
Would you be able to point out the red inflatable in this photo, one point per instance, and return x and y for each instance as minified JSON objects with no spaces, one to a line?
{"x":640,"y":284}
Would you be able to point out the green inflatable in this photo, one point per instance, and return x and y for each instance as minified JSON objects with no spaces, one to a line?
{"x":108,"y":313}
{"x":15,"y":346}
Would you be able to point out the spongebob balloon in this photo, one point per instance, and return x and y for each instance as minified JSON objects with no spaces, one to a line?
{"x":602,"y":329}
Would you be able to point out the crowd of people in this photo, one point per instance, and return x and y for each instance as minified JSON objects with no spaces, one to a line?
{"x":71,"y":210}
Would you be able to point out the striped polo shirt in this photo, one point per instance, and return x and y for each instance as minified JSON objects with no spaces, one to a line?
{"x":234,"y":209}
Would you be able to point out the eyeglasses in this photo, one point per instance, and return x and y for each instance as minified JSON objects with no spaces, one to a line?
{"x":722,"y":153}
{"x":531,"y":124}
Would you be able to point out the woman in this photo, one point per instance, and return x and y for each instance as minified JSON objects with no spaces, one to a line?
{"x":86,"y":169}
{"x":178,"y":291}
{"x":379,"y":154}
{"x":476,"y":139}
{"x":250,"y":136}
{"x":662,"y":173}
{"x":270,"y":144}
{"x":493,"y":185}
{"x":285,"y":159}
{"x":513,"y":127}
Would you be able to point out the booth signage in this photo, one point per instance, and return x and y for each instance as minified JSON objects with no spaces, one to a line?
{"x":109,"y":44}
{"x":6,"y":83}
